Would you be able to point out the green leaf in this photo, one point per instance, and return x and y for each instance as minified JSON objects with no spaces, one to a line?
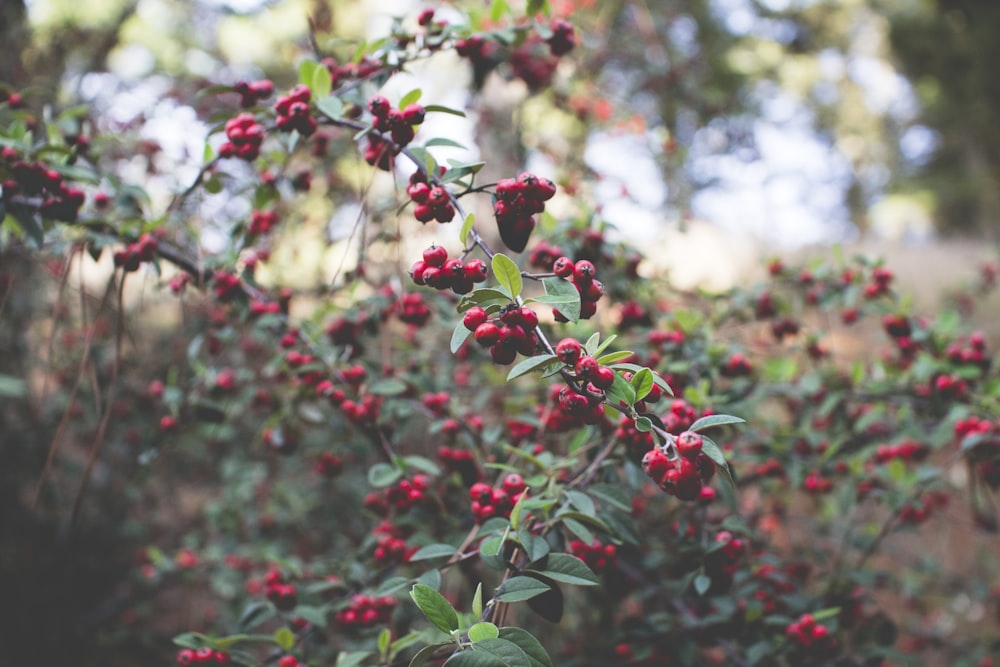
{"x":433,"y":605}
{"x":29,"y":225}
{"x":530,"y":364}
{"x":484,"y":296}
{"x":621,"y":392}
{"x":642,"y":382}
{"x":515,"y":512}
{"x":322,"y":82}
{"x":713,"y":452}
{"x":383,"y":640}
{"x":581,"y":501}
{"x":702,"y":583}
{"x":507,"y":274}
{"x":605,"y":344}
{"x":433,"y":551}
{"x":284,"y":638}
{"x":431,"y":579}
{"x":532,"y":647}
{"x":307,"y":70}
{"x":437,"y":107}
{"x":715,"y":420}
{"x":459,"y":336}
{"x":560,"y":287}
{"x":470,"y":222}
{"x":592,"y":343}
{"x":518,"y":589}
{"x":12,"y":387}
{"x":535,"y":546}
{"x":612,"y":357}
{"x":410,"y":98}
{"x":507,"y":653}
{"x":388,"y":387}
{"x":421,"y":463}
{"x":382,"y":475}
{"x":536,"y":7}
{"x":477,"y":601}
{"x":612,"y":495}
{"x":644,"y":424}
{"x":569,"y":570}
{"x":473,"y":658}
{"x":497,"y":9}
{"x":352,"y":659}
{"x":481,"y":631}
{"x":331,"y":106}
{"x":443,"y":141}
{"x":424,"y":654}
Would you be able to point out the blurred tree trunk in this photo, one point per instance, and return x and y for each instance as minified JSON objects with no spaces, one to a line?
{"x":14,"y":37}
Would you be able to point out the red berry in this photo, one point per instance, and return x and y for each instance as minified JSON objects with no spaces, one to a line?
{"x":487,"y":334}
{"x":563,"y":267}
{"x":603,"y":377}
{"x":474,"y":317}
{"x":689,"y":444}
{"x":475,"y":270}
{"x":586,"y":366}
{"x":435,"y":255}
{"x":568,"y":350}
{"x":584,"y":272}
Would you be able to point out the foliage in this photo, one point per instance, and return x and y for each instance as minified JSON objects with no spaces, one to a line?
{"x":366,"y":493}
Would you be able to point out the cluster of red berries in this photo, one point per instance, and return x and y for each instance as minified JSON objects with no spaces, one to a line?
{"x":202,"y":656}
{"x":632,"y":314}
{"x":517,"y":201}
{"x":432,"y":201}
{"x":226,"y":286}
{"x":511,"y":332}
{"x":583,"y":276}
{"x":293,"y":111}
{"x":245,"y":135}
{"x":328,"y":464}
{"x":439,"y":271}
{"x":919,"y":511}
{"x":436,"y":402}
{"x":805,"y":633}
{"x":362,"y":413}
{"x":723,"y":561}
{"x":59,"y":200}
{"x":404,"y":495}
{"x":563,"y":37}
{"x":399,"y":124}
{"x":488,"y":502}
{"x":597,"y":556}
{"x":879,"y":285}
{"x":134,"y":254}
{"x":390,"y":546}
{"x":908,"y":450}
{"x":461,"y":461}
{"x":252,"y":92}
{"x":412,"y":309}
{"x":281,"y":594}
{"x":366,"y":611}
{"x":262,"y":222}
{"x":736,"y":366}
{"x":477,"y":48}
{"x":950,"y":387}
{"x":685,"y":476}
{"x":974,"y":354}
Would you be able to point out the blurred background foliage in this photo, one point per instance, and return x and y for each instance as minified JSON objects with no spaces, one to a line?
{"x":856,"y":116}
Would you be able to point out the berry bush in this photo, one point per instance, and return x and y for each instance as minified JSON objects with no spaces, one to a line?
{"x":526,"y":452}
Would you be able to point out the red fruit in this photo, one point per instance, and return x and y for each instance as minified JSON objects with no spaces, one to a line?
{"x":586,"y":366}
{"x":706,"y":466}
{"x":476,"y":270}
{"x":515,"y":232}
{"x":503,"y":354}
{"x":417,"y":271}
{"x":655,"y":463}
{"x":584,"y":272}
{"x":513,"y":484}
{"x":563,"y":267}
{"x":529,"y":320}
{"x":487,"y":334}
{"x":689,"y":444}
{"x":568,"y":350}
{"x":413,"y":114}
{"x":185,"y":657}
{"x":603,"y":377}
{"x":480,"y":492}
{"x":435,"y":255}
{"x":379,"y":106}
{"x":474,"y":317}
